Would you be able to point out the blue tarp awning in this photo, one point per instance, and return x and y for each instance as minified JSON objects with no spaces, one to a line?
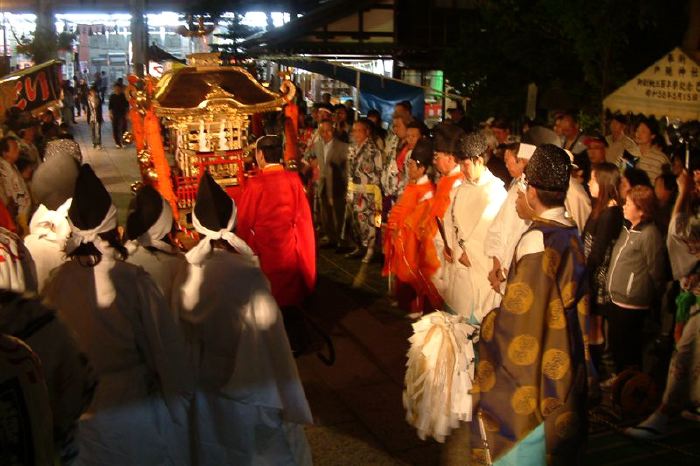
{"x":376,"y":91}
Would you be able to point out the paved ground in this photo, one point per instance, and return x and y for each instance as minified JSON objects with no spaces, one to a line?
{"x":359,"y":419}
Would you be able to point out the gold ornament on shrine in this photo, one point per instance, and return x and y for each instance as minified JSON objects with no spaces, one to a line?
{"x":136,"y":186}
{"x":142,"y":102}
{"x":207,"y":110}
{"x":152,"y":174}
{"x":144,"y":157}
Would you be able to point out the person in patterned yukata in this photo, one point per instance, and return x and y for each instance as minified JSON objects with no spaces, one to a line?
{"x":13,"y":189}
{"x":364,"y":196}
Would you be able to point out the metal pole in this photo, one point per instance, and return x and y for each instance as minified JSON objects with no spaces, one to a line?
{"x":357,"y":95}
{"x":444,"y":99}
{"x":138,"y":48}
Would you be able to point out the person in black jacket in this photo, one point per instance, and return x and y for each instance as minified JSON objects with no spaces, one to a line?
{"x":599,"y":235}
{"x":118,"y":108}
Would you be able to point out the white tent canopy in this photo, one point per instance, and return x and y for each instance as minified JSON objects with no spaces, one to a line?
{"x":670,"y":87}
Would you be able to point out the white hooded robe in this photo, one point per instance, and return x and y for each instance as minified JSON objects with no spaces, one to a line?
{"x":249,"y":404}
{"x":139,"y":412}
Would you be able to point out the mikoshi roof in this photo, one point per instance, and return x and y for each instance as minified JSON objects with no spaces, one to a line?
{"x":670,"y":87}
{"x":206,"y":88}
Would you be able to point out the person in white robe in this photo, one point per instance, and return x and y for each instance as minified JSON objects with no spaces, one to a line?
{"x":577,"y":202}
{"x":447,"y":159}
{"x":440,"y":367}
{"x":53,"y":181}
{"x":476,"y":203}
{"x":48,"y":227}
{"x":122,"y":323}
{"x":148,"y":229}
{"x":49,"y":231}
{"x":250,"y":407}
{"x":507,"y":228}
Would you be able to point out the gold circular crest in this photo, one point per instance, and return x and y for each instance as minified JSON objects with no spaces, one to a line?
{"x":549,"y":405}
{"x":555,"y":315}
{"x":568,"y":294}
{"x":524,"y":400}
{"x":550,"y":262}
{"x":485,"y":376}
{"x":487,"y":326}
{"x":519,"y":298}
{"x":566,"y":425}
{"x":523,"y":350}
{"x":555,"y":363}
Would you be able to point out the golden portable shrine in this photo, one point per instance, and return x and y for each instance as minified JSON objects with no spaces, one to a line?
{"x":209,"y":113}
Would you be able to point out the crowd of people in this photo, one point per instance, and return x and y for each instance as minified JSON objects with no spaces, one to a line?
{"x":29,"y":141}
{"x":551,"y":264}
{"x":469,"y":218}
{"x":78,"y":95}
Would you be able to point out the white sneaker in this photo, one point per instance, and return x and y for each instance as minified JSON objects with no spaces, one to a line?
{"x":653,"y":427}
{"x":645,"y":433}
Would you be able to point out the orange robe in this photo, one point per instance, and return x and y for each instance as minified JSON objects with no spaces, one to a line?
{"x":402,"y":245}
{"x":274,"y":218}
{"x":397,"y":239}
{"x":429,"y":262}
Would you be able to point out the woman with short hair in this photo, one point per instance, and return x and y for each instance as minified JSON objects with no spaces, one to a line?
{"x":635,"y":277}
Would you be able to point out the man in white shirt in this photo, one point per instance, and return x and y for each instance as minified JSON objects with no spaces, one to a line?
{"x":332,"y":156}
{"x":578,"y":202}
{"x":618,"y":141}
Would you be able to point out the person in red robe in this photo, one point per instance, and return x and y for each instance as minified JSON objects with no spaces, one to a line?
{"x":401,"y":243}
{"x":274,"y":218}
{"x":447,"y":154}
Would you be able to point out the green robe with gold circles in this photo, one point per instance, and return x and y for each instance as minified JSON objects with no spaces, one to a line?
{"x":531,"y":379}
